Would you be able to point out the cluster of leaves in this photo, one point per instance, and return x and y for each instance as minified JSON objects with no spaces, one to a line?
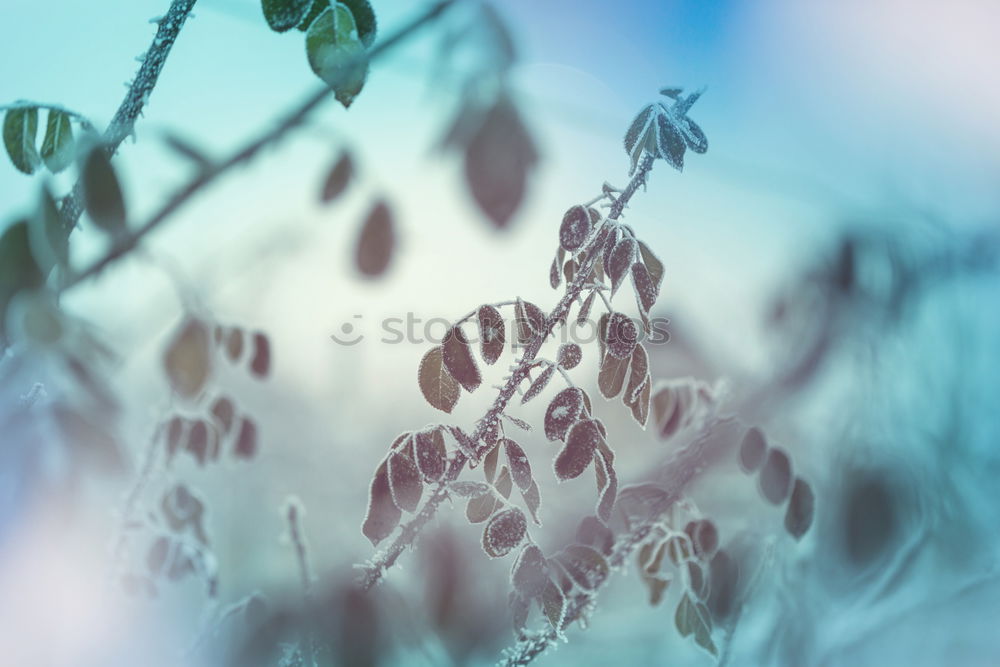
{"x":338,"y":35}
{"x":776,"y":483}
{"x":59,"y":145}
{"x":665,"y":131}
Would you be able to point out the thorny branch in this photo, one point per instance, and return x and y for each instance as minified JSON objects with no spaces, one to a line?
{"x":135,"y":99}
{"x":376,"y":569}
{"x":211,"y":172}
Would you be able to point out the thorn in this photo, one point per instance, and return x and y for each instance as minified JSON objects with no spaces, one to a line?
{"x":156,"y":19}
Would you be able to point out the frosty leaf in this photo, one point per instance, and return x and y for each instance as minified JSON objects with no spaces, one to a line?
{"x":187,"y":360}
{"x":469,"y":489}
{"x":585,"y":566}
{"x":593,"y":533}
{"x":491,"y":333}
{"x":260,"y":365}
{"x":490,"y":462}
{"x":653,"y":264}
{"x":404,"y":481}
{"x":775,"y":478}
{"x":504,"y":484}
{"x":671,"y":92}
{"x":431,"y":454}
{"x":539,"y":384}
{"x":643,"y":501}
{"x":504,"y":532}
{"x":20,"y":127}
{"x":480,"y":508}
{"x":611,"y":240}
{"x":562,"y":412}
{"x":704,"y":537}
{"x":336,"y":53}
{"x":645,"y":289}
{"x":458,"y":360}
{"x":530,"y":321}
{"x":639,"y":364}
{"x":619,"y":261}
{"x":553,"y":604}
{"x":465,"y":443}
{"x":671,"y":142}
{"x":576,"y":455}
{"x":520,"y":468}
{"x":282,"y":15}
{"x":586,"y":307}
{"x":364,"y":17}
{"x":338,"y":178}
{"x":224,"y":413}
{"x":246,"y":441}
{"x":640,"y":408}
{"x":383,"y":515}
{"x":638,"y":128}
{"x":533,"y":501}
{"x":376,"y":242}
{"x":611,"y":379}
{"x":569,"y":355}
{"x":694,"y":137}
{"x":799,"y":515}
{"x":554,"y":276}
{"x":692,"y":618}
{"x":575,"y":229}
{"x":609,"y":490}
{"x":752,"y":450}
{"x":520,"y":423}
{"x":569,"y":270}
{"x":497,"y":159}
{"x":57,"y":146}
{"x":530,"y":572}
{"x":437,"y":385}
{"x":102,"y":193}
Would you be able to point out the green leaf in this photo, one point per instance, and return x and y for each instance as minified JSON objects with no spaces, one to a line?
{"x":364,"y":18}
{"x":18,"y":269}
{"x":49,"y":243}
{"x":19,"y":129}
{"x":692,"y":618}
{"x":336,"y":53}
{"x":102,"y":193}
{"x":58,"y":144}
{"x":282,"y":15}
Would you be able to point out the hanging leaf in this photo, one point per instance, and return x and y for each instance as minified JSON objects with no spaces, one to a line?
{"x":520,"y":468}
{"x":530,"y":573}
{"x":533,"y":501}
{"x":752,"y":450}
{"x":724,"y":576}
{"x":338,"y":178}
{"x":563,"y":412}
{"x":653,"y":264}
{"x":539,"y":384}
{"x":260,"y":365}
{"x":490,"y":462}
{"x":383,"y":515}
{"x":619,"y":261}
{"x":282,"y":15}
{"x":585,"y":566}
{"x":575,"y":229}
{"x":692,"y":618}
{"x":504,"y":532}
{"x":437,"y":385}
{"x":520,"y":423}
{"x":569,"y":356}
{"x":458,"y":360}
{"x":621,"y":336}
{"x":187,"y":359}
{"x":376,"y":242}
{"x":639,"y":365}
{"x":491,"y":334}
{"x":554,"y":276}
{"x":431,"y":454}
{"x":569,"y":271}
{"x":637,"y":135}
{"x":611,"y":378}
{"x":704,"y":537}
{"x":576,"y":455}
{"x":585,"y":308}
{"x":609,"y":489}
{"x":497,"y":160}
{"x":404,"y":481}
{"x":58,"y":146}
{"x":336,"y":53}
{"x":640,"y":409}
{"x":504,"y":484}
{"x":481,"y":508}
{"x":49,"y":243}
{"x":775,"y":478}
{"x":644,"y":287}
{"x":20,"y":127}
{"x":364,"y":17}
{"x":224,"y":413}
{"x":801,"y":506}
{"x":246,"y":441}
{"x":671,"y":142}
{"x":694,"y":137}
{"x":234,"y":344}
{"x":102,"y":193}
{"x":530,"y":321}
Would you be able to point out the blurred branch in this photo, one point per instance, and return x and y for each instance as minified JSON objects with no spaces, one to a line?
{"x":291,"y":121}
{"x":385,"y":560}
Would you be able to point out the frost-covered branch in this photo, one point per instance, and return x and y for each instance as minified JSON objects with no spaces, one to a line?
{"x":374,"y":571}
{"x":292,"y":120}
{"x":135,"y":99}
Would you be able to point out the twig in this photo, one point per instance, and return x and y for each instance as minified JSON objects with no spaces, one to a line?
{"x":374,"y":571}
{"x":292,"y":120}
{"x":135,"y":99}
